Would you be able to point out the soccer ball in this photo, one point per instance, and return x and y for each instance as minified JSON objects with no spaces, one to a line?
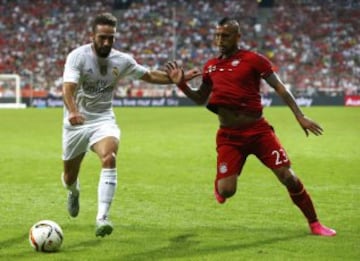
{"x":46,"y":236}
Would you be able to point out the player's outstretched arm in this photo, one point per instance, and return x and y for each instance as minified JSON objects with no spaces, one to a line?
{"x":306,"y":124}
{"x":162,"y":77}
{"x":177,"y":76}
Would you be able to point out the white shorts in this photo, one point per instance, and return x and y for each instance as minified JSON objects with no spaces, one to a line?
{"x":79,"y":140}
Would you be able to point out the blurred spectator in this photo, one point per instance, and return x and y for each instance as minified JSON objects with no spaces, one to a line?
{"x":315,"y":42}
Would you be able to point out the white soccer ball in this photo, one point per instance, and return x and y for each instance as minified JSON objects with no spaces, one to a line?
{"x":46,"y":236}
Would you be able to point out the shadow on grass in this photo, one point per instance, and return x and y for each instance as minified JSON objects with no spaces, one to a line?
{"x":13,"y":241}
{"x":158,"y":245}
{"x":192,"y":245}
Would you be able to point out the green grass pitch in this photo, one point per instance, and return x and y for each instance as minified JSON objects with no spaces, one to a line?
{"x":164,"y":207}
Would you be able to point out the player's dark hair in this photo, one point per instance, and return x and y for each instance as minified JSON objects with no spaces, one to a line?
{"x":230,"y":21}
{"x":225,"y":20}
{"x":104,"y":19}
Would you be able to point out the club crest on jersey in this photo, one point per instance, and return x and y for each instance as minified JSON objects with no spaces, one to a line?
{"x":235,"y":63}
{"x":116,"y":72}
{"x":212,"y":68}
{"x":223,"y":168}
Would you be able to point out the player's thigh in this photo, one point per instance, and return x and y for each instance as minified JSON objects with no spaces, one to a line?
{"x":107,"y":145}
{"x":269,"y":150}
{"x":230,"y":161}
{"x":74,"y":142}
{"x":105,"y":139}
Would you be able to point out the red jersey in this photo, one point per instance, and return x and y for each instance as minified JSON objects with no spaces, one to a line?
{"x":236,"y":80}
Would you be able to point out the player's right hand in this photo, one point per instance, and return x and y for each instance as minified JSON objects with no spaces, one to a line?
{"x":76,"y":118}
{"x":309,"y":125}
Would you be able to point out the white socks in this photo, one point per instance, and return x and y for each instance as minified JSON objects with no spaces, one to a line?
{"x":106,"y":192}
{"x":73,"y":188}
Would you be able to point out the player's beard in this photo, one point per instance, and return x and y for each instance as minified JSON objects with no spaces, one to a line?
{"x":226,"y":51}
{"x":103,"y":51}
{"x":222,"y":50}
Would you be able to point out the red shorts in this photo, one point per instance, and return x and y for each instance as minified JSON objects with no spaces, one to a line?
{"x":259,"y":139}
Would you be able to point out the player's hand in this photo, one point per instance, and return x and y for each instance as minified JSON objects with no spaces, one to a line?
{"x":175,"y":72}
{"x":191,"y":74}
{"x":177,"y":75}
{"x":309,"y":125}
{"x":76,"y":118}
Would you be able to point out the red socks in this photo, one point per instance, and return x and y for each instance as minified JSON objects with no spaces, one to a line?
{"x":302,"y":199}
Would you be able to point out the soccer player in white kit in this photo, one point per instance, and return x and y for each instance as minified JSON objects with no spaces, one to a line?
{"x":91,"y":73}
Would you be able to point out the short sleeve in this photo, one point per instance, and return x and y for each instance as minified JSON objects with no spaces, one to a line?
{"x":133,"y":69}
{"x":206,"y":74}
{"x":262,"y":65}
{"x":72,"y":68}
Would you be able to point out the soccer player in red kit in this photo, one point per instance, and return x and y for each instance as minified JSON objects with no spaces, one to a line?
{"x":231,"y":89}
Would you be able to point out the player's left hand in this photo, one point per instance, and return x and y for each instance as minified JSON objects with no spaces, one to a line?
{"x":309,"y":125}
{"x":191,"y":74}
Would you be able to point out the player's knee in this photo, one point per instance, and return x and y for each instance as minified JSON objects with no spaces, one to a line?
{"x":292,"y":183}
{"x":109,"y":160}
{"x":226,"y":187}
{"x":227,"y":190}
{"x":284,"y":174}
{"x":227,"y":193}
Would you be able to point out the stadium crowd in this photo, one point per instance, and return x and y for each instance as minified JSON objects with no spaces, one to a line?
{"x":315,"y":45}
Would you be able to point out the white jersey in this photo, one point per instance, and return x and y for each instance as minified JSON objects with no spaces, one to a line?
{"x":96,"y":78}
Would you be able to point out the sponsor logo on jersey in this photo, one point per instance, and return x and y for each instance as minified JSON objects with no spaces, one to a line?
{"x":235,"y":62}
{"x":211,"y":69}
